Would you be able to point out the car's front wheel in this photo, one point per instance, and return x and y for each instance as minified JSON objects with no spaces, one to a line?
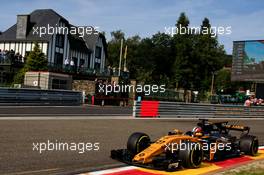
{"x":191,"y":155}
{"x":137,"y":142}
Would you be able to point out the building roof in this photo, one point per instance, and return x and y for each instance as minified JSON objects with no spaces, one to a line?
{"x":37,"y":18}
{"x":91,"y":40}
{"x":43,"y":17}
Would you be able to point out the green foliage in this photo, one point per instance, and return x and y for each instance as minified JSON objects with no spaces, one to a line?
{"x":182,"y":67}
{"x":182,"y":61}
{"x":35,"y":61}
{"x":19,"y":77}
{"x":223,"y":79}
{"x":224,"y":84}
{"x":113,"y":48}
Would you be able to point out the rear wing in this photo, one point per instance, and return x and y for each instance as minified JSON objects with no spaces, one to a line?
{"x":237,"y":128}
{"x":222,"y":125}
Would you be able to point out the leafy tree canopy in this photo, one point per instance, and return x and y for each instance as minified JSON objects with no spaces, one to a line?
{"x":36,"y":60}
{"x":181,"y":61}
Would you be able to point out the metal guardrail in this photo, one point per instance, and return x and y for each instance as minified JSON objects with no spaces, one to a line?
{"x":21,"y":96}
{"x":164,"y":109}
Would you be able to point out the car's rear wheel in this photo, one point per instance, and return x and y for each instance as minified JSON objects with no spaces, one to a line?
{"x":249,"y":145}
{"x":137,"y":142}
{"x":192,"y":155}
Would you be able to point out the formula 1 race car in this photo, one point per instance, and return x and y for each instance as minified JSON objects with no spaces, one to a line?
{"x":207,"y":141}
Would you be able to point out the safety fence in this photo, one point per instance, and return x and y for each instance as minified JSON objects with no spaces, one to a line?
{"x":164,"y":109}
{"x":21,"y":96}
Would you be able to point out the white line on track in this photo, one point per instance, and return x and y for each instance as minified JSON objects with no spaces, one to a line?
{"x":114,"y":170}
{"x":34,"y":171}
{"x":261,"y":147}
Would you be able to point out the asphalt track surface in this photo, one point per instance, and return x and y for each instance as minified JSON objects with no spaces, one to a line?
{"x":17,"y":138}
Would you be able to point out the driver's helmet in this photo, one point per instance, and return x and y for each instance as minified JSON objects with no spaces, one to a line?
{"x":197,"y":131}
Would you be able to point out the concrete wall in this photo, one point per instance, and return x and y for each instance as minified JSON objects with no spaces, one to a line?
{"x":44,"y":80}
{"x":84,"y":85}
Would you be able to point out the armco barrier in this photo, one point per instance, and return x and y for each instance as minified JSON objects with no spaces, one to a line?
{"x":164,"y":109}
{"x":21,"y":96}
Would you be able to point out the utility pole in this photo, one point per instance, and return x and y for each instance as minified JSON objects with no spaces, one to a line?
{"x":125,"y":55}
{"x":212,"y":85}
{"x":120,"y":58}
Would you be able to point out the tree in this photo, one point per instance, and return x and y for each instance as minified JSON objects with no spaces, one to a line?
{"x":182,"y":72}
{"x":117,"y":35}
{"x":35,"y":61}
{"x":135,"y":59}
{"x":162,"y":54}
{"x":224,"y":84}
{"x":19,"y":77}
{"x":186,"y":60}
{"x":149,"y":59}
{"x":223,"y":80}
{"x":208,"y":55}
{"x":113,"y":48}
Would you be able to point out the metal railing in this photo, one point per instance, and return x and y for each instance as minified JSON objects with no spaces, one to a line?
{"x":70,"y":69}
{"x":84,"y":70}
{"x":62,"y":68}
{"x":194,"y":110}
{"x":8,"y":61}
{"x":21,"y":96}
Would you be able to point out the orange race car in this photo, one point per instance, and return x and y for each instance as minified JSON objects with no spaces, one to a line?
{"x":207,"y":141}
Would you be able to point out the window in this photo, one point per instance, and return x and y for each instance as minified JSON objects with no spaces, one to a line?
{"x":58,"y":60}
{"x":89,"y":58}
{"x":82,"y":62}
{"x":98,"y":51}
{"x":59,"y":84}
{"x":59,"y":41}
{"x":75,"y":60}
{"x":97,"y":66}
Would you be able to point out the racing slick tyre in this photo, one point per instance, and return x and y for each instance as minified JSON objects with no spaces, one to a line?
{"x":137,"y":142}
{"x":192,"y":155}
{"x":249,"y":145}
